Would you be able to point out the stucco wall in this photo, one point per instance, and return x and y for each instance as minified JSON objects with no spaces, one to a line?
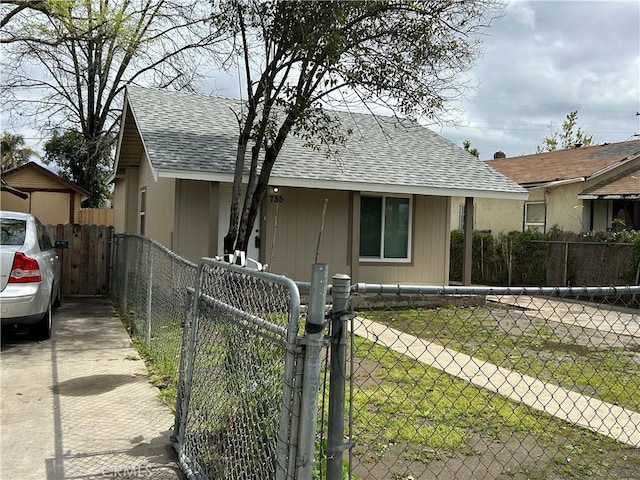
{"x":563,"y":208}
{"x":491,"y":214}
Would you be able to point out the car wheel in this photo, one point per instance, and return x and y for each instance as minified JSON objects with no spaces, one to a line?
{"x":42,"y":329}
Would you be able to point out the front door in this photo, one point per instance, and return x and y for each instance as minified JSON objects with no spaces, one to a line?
{"x":253,"y":249}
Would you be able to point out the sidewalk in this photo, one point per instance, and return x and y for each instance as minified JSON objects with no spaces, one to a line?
{"x":80,"y":406}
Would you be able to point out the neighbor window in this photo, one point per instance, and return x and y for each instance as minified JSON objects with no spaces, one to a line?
{"x":461,"y":213}
{"x":534,"y":216}
{"x":385,"y":226}
{"x":143,"y":209}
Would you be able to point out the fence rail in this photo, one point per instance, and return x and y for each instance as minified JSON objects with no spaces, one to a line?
{"x":408,"y":382}
{"x":469,"y":382}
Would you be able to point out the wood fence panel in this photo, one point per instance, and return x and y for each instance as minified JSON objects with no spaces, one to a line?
{"x":85,"y":264}
{"x":96,"y":216}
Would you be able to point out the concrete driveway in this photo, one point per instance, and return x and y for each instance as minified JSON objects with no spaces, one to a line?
{"x":80,"y":406}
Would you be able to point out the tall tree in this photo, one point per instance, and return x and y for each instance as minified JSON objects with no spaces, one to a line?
{"x":299,"y":57}
{"x":68,"y":151}
{"x":14,"y":151}
{"x":70,"y":68}
{"x":568,"y":138}
{"x":13,"y":8}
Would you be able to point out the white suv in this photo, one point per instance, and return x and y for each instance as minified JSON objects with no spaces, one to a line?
{"x":29,"y":273}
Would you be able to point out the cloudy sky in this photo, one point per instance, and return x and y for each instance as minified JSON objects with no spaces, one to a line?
{"x":544,"y":59}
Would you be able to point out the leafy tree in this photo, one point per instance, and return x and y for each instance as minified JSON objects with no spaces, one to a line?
{"x":473,"y":151}
{"x":69,"y":151}
{"x":298,"y":57}
{"x":13,"y":150}
{"x":70,"y":67}
{"x":568,"y":139}
{"x":42,"y":8}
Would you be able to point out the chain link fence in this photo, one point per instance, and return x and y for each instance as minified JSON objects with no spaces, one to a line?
{"x":151,"y":285}
{"x":243,"y":369}
{"x":418,"y":382}
{"x":238,"y":379}
{"x":487,"y":383}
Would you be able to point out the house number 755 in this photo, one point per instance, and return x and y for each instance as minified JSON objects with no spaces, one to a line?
{"x":276,"y":198}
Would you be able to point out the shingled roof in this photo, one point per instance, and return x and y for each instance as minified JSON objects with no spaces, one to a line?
{"x":568,"y":164}
{"x":194,"y":136}
{"x":623,"y":185}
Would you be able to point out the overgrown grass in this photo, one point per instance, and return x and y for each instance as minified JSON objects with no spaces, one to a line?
{"x":162,"y":357}
{"x":435,"y":415}
{"x":609,"y":374}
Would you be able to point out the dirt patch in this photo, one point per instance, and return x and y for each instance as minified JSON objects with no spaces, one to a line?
{"x":510,"y":453}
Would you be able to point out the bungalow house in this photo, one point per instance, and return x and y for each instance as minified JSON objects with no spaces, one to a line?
{"x":384,"y":197}
{"x":579,"y":189}
{"x":31,"y":188}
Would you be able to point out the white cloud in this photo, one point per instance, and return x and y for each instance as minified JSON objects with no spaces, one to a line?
{"x":545,"y":59}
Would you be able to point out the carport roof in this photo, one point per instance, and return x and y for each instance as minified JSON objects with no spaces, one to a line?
{"x":194,"y":136}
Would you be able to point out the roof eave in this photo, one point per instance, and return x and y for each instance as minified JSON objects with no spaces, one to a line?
{"x":353,"y":186}
{"x":611,"y":196}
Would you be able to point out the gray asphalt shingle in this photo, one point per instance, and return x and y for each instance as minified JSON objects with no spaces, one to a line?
{"x":184,"y":132}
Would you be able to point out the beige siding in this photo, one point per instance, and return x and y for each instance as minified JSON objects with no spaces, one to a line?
{"x":430,"y":248}
{"x":49,"y":200}
{"x":51,"y":208}
{"x":30,"y":178}
{"x":292,"y":224}
{"x":119,"y":205}
{"x":11,"y":202}
{"x":196,"y":219}
{"x":131,"y":202}
{"x":159,"y":206}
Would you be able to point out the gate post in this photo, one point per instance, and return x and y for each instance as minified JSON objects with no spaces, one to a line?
{"x":340,"y":292}
{"x":314,"y":336}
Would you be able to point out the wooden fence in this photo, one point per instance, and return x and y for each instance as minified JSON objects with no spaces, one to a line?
{"x":85,"y":264}
{"x":96,"y":216}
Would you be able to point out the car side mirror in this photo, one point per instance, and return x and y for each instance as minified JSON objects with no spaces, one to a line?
{"x":61,"y":244}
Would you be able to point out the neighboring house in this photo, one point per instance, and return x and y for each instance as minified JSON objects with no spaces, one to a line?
{"x":387,"y":191}
{"x":579,"y":189}
{"x":46,"y":195}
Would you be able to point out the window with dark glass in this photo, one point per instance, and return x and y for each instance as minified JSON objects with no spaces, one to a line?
{"x":385,"y":223}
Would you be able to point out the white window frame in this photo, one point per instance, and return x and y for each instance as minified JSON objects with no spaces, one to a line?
{"x":142,"y":221}
{"x":461,"y":214}
{"x":536,"y":226}
{"x":409,"y":233}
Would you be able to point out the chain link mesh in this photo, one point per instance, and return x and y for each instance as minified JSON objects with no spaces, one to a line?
{"x":235,"y":351}
{"x":443,"y":382}
{"x":151,"y":285}
{"x":495,"y":383}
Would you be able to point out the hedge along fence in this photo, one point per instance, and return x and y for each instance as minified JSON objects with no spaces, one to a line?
{"x":551,"y":259}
